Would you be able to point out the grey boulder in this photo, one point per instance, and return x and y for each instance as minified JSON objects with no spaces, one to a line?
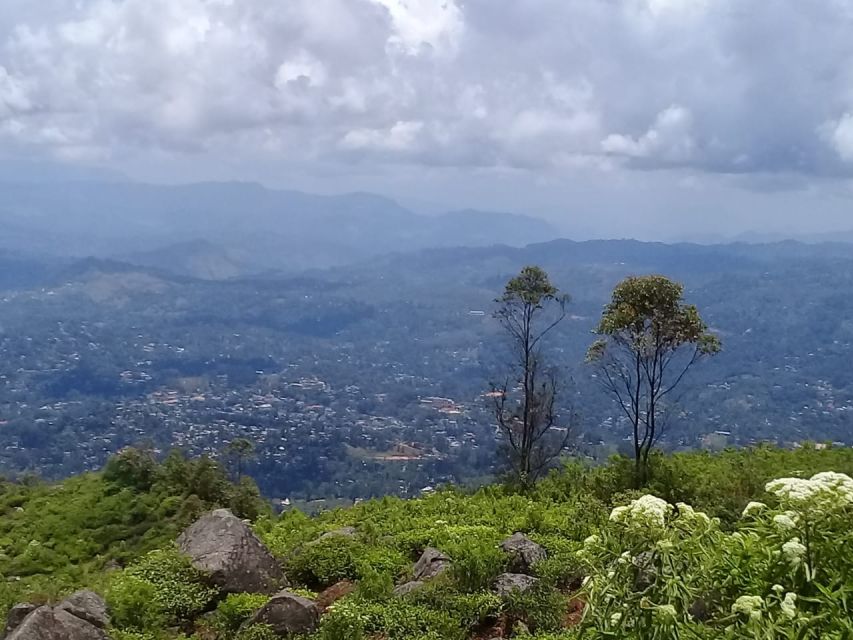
{"x":523,"y":553}
{"x":88,"y":606}
{"x":506,"y":583}
{"x":222,"y":545}
{"x":431,"y":564}
{"x":287,"y":614}
{"x":16,"y":616}
{"x":56,"y":623}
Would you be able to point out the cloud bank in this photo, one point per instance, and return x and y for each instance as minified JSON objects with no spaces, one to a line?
{"x":710,"y":87}
{"x":722,"y":85}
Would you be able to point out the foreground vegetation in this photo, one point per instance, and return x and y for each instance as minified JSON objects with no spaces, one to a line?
{"x":748,"y":558}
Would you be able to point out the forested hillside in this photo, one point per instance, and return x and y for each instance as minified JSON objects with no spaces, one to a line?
{"x":369,"y":380}
{"x":714,"y":546}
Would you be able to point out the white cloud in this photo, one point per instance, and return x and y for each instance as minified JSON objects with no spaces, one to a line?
{"x":437,"y":24}
{"x":402,"y":136}
{"x":13,"y":95}
{"x":669,"y":139}
{"x":301,"y":68}
{"x":842,"y":137}
{"x":482,"y":83}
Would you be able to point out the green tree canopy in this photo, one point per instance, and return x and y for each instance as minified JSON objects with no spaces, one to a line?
{"x":649,"y":340}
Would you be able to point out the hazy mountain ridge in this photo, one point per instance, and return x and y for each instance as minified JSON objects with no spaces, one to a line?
{"x":256,"y":229}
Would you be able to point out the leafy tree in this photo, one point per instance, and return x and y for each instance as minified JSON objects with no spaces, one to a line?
{"x":649,"y":341}
{"x":525,"y":404}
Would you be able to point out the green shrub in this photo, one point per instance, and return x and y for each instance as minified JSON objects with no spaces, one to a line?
{"x":540,"y":608}
{"x":375,"y":585}
{"x":396,"y":620}
{"x":257,"y":632}
{"x":236,"y":609}
{"x":161,"y":586}
{"x":561,"y":569}
{"x":476,"y":564}
{"x":325,"y":562}
{"x":133,"y":604}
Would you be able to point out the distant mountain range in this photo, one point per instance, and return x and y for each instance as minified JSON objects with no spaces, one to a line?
{"x":225,"y":230}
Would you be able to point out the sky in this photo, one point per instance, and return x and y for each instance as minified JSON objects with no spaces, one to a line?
{"x":654,"y":119}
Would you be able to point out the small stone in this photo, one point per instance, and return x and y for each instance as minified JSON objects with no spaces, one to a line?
{"x":523,"y":553}
{"x":287,"y":614}
{"x":506,"y":583}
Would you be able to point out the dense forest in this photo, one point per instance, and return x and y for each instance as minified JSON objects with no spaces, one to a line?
{"x":750,"y":543}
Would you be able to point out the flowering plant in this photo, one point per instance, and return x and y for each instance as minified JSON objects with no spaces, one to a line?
{"x":668,"y":571}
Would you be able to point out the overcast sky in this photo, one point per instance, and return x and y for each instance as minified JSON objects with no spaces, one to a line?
{"x":651,"y":118}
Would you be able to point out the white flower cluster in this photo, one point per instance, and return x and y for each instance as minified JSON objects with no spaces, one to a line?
{"x":794,"y":552}
{"x":591,"y":541}
{"x":789,"y":605}
{"x":689,"y":514}
{"x":827,"y":489}
{"x":665,"y":613}
{"x":749,"y":605}
{"x":648,"y":510}
{"x":753,"y":507}
{"x":787,"y":520}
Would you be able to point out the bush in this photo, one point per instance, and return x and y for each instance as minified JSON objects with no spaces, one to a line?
{"x":661,"y":571}
{"x":540,"y":608}
{"x":235,"y":610}
{"x":162,"y":586}
{"x":476,"y":564}
{"x":257,"y":632}
{"x":133,"y":604}
{"x":400,"y":620}
{"x":325,"y":562}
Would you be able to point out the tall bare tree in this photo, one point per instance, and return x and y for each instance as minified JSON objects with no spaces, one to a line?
{"x":526,"y":403}
{"x":649,"y":340}
{"x":239,"y":450}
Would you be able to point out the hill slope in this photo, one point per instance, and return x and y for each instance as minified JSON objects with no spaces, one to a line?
{"x":581,"y":547}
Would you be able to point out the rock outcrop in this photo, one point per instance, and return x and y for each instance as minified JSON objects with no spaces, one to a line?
{"x":88,"y":606}
{"x":431,"y":564}
{"x":16,"y":616}
{"x":287,"y":614}
{"x":82,"y":616}
{"x":523,"y":553}
{"x":506,"y":583}
{"x":222,"y":545}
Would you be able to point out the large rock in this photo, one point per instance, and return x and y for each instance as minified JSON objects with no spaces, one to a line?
{"x":506,"y":583}
{"x":431,"y":563}
{"x":523,"y":553}
{"x":16,"y":616}
{"x":221,"y":544}
{"x":88,"y":606}
{"x":287,"y":614}
{"x":48,"y":623}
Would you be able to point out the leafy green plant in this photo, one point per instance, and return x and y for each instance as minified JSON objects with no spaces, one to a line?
{"x":162,"y":586}
{"x":476,"y":564}
{"x":235,"y":609}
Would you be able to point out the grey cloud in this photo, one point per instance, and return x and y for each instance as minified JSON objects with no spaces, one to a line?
{"x":716,"y":86}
